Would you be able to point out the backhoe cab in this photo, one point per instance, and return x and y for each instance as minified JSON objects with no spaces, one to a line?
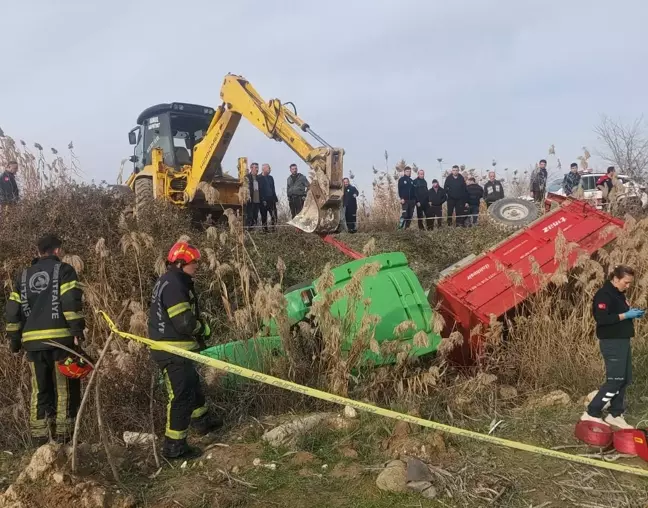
{"x":164,"y":139}
{"x":179,"y":149}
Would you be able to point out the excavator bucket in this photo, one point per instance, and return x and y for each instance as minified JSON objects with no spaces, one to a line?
{"x":321,"y":211}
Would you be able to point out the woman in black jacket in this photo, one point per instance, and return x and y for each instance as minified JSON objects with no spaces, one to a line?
{"x":614,"y":329}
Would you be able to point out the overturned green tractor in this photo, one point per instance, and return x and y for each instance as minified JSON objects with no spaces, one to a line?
{"x":394,"y":294}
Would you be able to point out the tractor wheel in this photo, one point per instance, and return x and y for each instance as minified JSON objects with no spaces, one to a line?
{"x":143,"y":194}
{"x":512,"y":213}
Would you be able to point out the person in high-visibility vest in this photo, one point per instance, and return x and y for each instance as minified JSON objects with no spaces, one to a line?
{"x":174,"y":318}
{"x":45,"y":306}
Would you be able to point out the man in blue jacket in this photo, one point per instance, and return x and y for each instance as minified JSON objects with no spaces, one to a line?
{"x":407,"y":197}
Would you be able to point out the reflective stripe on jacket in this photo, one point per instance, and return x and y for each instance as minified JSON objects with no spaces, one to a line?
{"x":45,"y":305}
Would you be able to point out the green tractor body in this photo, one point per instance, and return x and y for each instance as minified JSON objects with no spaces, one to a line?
{"x":394,"y":294}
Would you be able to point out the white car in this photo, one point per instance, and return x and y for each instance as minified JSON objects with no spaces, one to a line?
{"x":588,"y":181}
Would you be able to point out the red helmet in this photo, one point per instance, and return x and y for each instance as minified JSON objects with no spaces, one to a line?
{"x":182,"y":251}
{"x":74,"y":367}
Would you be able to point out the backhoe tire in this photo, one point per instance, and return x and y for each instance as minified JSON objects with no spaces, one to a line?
{"x":143,"y":194}
{"x":510,"y":214}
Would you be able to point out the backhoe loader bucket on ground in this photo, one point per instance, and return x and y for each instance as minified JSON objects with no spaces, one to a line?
{"x":321,"y":211}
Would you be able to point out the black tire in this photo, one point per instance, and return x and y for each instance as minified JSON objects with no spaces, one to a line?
{"x":143,"y":194}
{"x":512,"y":213}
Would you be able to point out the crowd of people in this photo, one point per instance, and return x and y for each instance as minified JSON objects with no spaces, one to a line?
{"x":462,"y":197}
{"x":262,"y":198}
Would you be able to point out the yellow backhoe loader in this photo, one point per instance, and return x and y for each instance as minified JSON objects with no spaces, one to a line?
{"x":179,"y":149}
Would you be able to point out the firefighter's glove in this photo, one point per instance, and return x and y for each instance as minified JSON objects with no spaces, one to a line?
{"x":206,"y":330}
{"x":635,"y":313}
{"x":15,"y":345}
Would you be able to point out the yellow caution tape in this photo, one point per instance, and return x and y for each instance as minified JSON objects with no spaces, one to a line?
{"x":312,"y":392}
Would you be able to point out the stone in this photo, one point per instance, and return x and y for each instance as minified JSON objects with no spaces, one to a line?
{"x":350,"y":412}
{"x":42,"y":461}
{"x":288,"y":433}
{"x":393,"y":478}
{"x":419,"y":486}
{"x":58,"y":477}
{"x":417,"y":471}
{"x":138,"y":438}
{"x":429,"y":493}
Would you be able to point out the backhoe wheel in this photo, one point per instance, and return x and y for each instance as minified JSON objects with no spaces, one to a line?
{"x":512,"y":213}
{"x":143,"y":194}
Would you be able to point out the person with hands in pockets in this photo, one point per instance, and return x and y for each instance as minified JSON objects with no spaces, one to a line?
{"x":614,"y":329}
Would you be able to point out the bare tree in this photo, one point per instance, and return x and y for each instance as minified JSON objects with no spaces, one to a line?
{"x":625,"y":145}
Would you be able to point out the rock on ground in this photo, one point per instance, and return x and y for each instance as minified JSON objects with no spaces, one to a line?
{"x":393,"y":478}
{"x":41,"y":462}
{"x":288,"y":433}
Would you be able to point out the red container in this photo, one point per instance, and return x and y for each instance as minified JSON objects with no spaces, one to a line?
{"x":469,"y":296}
{"x":624,"y":441}
{"x":594,"y":434}
{"x":641,"y":444}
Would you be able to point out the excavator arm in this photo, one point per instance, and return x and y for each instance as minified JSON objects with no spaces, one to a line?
{"x":321,"y":212}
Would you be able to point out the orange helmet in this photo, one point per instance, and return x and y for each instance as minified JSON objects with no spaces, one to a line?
{"x":74,"y":367}
{"x":184,"y":252}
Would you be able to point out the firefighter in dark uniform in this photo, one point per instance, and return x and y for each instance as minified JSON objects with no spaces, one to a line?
{"x":46,"y":306}
{"x":350,"y":203}
{"x":174,"y":319}
{"x":614,"y":329}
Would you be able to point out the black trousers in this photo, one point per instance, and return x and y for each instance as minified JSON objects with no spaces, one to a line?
{"x":296,"y":204}
{"x":421,"y":215}
{"x":350,"y":216}
{"x":252,"y":211}
{"x":457,"y":207}
{"x":54,"y":397}
{"x":407,"y":212}
{"x":186,"y":399}
{"x":617,"y":354}
{"x":269,"y":208}
{"x":538,"y":196}
{"x":434,"y":213}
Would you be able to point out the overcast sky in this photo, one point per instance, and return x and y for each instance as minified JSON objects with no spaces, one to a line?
{"x":466,"y":80}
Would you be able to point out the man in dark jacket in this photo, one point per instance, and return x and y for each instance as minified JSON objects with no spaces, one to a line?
{"x":421,"y":196}
{"x":571,"y":180}
{"x":614,"y":329}
{"x":350,"y":203}
{"x":8,"y":187}
{"x":539,"y":181}
{"x":455,"y":187}
{"x":174,"y":319}
{"x":493,"y":189}
{"x":46,"y":306}
{"x":254,"y":199}
{"x":268,"y":197}
{"x":436,"y":198}
{"x":296,"y":189}
{"x":407,"y":197}
{"x":475,"y":194}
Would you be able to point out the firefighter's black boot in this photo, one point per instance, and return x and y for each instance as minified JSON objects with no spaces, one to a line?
{"x":179,"y":449}
{"x":37,"y":442}
{"x":206,"y":423}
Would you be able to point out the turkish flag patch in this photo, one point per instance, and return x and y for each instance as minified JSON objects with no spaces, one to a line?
{"x":602,"y":306}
